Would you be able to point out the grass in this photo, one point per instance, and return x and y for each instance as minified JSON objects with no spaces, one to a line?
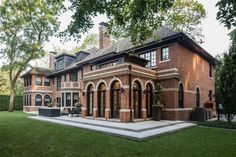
{"x":23,"y":137}
{"x":219,"y":124}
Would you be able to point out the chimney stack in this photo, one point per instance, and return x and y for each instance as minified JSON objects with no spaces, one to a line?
{"x":52,"y":59}
{"x":104,"y":39}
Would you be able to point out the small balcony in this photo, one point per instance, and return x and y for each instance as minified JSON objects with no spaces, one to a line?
{"x":70,"y":85}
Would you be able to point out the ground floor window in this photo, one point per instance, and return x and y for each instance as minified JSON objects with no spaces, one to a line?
{"x":197,"y":97}
{"x":115,"y":99}
{"x":47,"y":100}
{"x":38,"y":100}
{"x":90,"y":100}
{"x":181,"y":95}
{"x":68,"y":99}
{"x":101,"y":100}
{"x":149,"y":99}
{"x":137,"y":99}
{"x":75,"y":98}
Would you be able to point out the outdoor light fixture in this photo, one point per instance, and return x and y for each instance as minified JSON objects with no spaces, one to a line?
{"x":122,"y":90}
{"x":83,"y":93}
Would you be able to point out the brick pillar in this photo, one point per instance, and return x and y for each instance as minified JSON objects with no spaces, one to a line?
{"x":84,"y":104}
{"x":125,"y":108}
{"x":108,"y":102}
{"x":95,"y":104}
{"x":143,"y":107}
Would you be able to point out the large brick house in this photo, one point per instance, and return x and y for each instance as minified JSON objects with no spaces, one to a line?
{"x":118,"y":80}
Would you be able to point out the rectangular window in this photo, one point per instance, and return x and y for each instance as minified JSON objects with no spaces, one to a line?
{"x":151,"y":56}
{"x":47,"y":82}
{"x":60,"y":64}
{"x":59,"y":83}
{"x":38,"y":80}
{"x":74,"y":77}
{"x":62,"y":99}
{"x":210,"y":95}
{"x":164,"y":54}
{"x":68,"y":99}
{"x":75,"y":98}
{"x":210,"y":70}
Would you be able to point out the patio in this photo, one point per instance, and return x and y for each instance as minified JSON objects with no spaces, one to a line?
{"x":135,"y":131}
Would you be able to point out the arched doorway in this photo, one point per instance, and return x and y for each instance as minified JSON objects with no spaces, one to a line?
{"x":181,"y":96}
{"x":115,"y":99}
{"x":137,"y":99}
{"x":38,"y":100}
{"x":149,"y":99}
{"x":101,"y":100}
{"x":90,"y":91}
{"x":47,"y":100}
{"x":197,"y":97}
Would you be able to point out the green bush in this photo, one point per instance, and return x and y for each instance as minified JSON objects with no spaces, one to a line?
{"x":4,"y":102}
{"x":219,"y":124}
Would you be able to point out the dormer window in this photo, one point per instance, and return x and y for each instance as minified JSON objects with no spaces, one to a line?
{"x":60,"y":64}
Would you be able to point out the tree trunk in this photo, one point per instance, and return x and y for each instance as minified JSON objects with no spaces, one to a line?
{"x":11,"y":102}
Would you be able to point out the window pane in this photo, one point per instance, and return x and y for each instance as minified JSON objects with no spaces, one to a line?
{"x":38,"y":80}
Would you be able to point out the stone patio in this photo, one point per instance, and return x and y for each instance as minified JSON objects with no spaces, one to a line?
{"x":135,"y":131}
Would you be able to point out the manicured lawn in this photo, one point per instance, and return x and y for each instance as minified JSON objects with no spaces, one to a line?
{"x":24,"y":137}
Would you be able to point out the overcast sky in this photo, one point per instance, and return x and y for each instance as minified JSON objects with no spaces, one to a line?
{"x":216,"y":38}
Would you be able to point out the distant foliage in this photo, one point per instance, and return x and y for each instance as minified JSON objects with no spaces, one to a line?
{"x":4,"y":102}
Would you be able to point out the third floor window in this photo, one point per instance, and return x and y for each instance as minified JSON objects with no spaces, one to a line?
{"x":74,"y":77}
{"x":38,"y":80}
{"x":164,"y":54}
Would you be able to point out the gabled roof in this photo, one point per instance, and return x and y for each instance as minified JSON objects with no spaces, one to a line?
{"x":37,"y":71}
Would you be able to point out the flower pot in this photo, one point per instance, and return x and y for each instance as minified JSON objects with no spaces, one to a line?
{"x":157,"y":113}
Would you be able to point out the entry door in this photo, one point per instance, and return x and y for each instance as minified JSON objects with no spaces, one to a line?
{"x":90,"y":103}
{"x":115,"y":104}
{"x":101,"y":105}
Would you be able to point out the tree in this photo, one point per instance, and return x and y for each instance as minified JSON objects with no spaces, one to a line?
{"x":24,"y":27}
{"x":186,"y":16}
{"x":137,"y":19}
{"x":226,"y":80}
{"x":227,"y":12}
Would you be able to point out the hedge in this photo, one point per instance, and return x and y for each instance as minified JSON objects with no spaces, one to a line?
{"x":4,"y":102}
{"x":218,"y":124}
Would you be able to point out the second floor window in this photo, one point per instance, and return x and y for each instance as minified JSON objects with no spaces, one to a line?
{"x":74,"y":77}
{"x":38,"y":80}
{"x":210,"y":70}
{"x":59,"y":83}
{"x":164,"y":54}
{"x":47,"y":82}
{"x":151,"y":56}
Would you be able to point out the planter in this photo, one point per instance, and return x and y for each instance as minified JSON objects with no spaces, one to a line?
{"x":157,"y":113}
{"x":49,"y":112}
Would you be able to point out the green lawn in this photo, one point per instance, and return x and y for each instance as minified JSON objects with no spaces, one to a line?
{"x":24,"y":137}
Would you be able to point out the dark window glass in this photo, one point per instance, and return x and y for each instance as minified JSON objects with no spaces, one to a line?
{"x":75,"y":98}
{"x":164,"y":54}
{"x":62,"y":99}
{"x":47,"y":100}
{"x":60,"y":64}
{"x":68,"y":99}
{"x":38,"y":100}
{"x":90,"y":100}
{"x":197,"y":98}
{"x":210,"y":70}
{"x":38,"y":80}
{"x":30,"y":100}
{"x":74,"y":77}
{"x":47,"y":82}
{"x":151,"y":56}
{"x":210,"y":95}
{"x":181,"y":96}
{"x":59,"y":83}
{"x":149,"y":100}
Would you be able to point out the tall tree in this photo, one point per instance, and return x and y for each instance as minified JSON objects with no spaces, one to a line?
{"x":227,"y":12}
{"x":24,"y":26}
{"x":137,"y":19}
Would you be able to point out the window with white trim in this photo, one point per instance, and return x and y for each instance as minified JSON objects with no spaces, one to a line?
{"x":164,"y":54}
{"x":151,"y":56}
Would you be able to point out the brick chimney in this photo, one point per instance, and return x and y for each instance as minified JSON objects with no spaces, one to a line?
{"x":104,"y":39}
{"x":52,"y":59}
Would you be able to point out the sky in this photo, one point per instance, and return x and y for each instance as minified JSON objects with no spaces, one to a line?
{"x":216,"y":39}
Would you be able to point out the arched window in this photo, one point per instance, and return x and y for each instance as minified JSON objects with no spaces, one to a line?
{"x":181,"y":96}
{"x":115,"y":99}
{"x":90,"y":100}
{"x":101,"y":99}
{"x":149,"y":100}
{"x":197,"y":97}
{"x":47,"y":100}
{"x":137,"y":99}
{"x":38,"y":100}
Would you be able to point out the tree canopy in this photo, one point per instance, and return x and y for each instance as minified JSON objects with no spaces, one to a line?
{"x":24,"y":27}
{"x":227,"y":12}
{"x":136,"y":19}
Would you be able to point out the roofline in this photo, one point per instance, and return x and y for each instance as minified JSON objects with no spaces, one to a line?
{"x":64,"y":54}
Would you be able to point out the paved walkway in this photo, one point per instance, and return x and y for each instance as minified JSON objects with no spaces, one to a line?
{"x":136,"y":131}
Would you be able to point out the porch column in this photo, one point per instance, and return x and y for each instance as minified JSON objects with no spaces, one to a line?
{"x":143,"y":106}
{"x":95,"y":104}
{"x":71,"y":101}
{"x":108,"y":104}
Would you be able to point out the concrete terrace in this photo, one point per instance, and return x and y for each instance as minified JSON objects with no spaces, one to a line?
{"x":136,"y":131}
